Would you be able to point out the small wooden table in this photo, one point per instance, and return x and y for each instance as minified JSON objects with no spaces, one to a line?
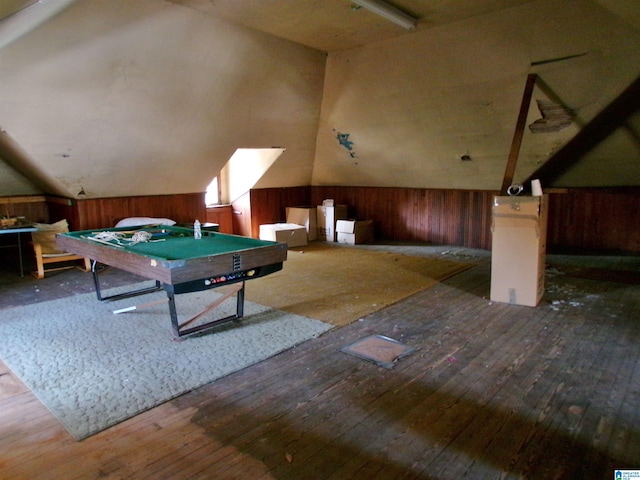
{"x":17,"y":229}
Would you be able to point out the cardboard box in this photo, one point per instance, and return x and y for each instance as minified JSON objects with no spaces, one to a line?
{"x":289,"y":233}
{"x":326,"y":221}
{"x":305,"y":216}
{"x":518,"y":253}
{"x":354,"y":232}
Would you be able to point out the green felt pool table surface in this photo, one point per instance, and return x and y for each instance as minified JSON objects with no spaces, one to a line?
{"x":174,"y":251}
{"x":175,"y":248}
{"x":176,"y":243}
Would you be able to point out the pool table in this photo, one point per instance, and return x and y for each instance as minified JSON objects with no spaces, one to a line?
{"x":178,"y":262}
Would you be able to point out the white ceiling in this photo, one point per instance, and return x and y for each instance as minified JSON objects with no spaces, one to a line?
{"x":332,"y":25}
{"x":8,"y":7}
{"x":475,"y":29}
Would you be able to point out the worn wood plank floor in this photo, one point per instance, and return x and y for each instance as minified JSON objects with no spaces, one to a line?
{"x":493,"y":391}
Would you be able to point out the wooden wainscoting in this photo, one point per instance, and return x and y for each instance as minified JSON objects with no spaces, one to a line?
{"x":269,"y":205}
{"x":63,"y":208}
{"x":32,"y":207}
{"x":241,"y":216}
{"x":595,"y":220}
{"x":452,"y":217}
{"x":106,"y":212}
{"x":589,"y":219}
{"x":443,"y":217}
{"x":604,"y":219}
{"x":223,"y":216}
{"x":264,"y":206}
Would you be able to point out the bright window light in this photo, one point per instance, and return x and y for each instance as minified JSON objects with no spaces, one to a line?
{"x":212,"y":195}
{"x":241,"y":173}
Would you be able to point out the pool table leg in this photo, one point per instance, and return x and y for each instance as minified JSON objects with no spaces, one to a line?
{"x":133,"y":293}
{"x":240,"y":303}
{"x":171,"y":296}
{"x":177,"y":328}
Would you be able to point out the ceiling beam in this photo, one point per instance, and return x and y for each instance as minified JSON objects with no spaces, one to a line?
{"x":29,"y":18}
{"x":600,"y":127}
{"x":510,"y":170}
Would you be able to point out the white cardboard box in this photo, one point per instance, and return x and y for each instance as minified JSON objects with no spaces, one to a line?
{"x":291,"y":234}
{"x":518,"y":253}
{"x":305,"y":216}
{"x":326,"y":221}
{"x":354,"y":232}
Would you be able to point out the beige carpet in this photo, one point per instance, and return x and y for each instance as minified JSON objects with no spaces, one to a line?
{"x":93,"y":369}
{"x":339,"y":285}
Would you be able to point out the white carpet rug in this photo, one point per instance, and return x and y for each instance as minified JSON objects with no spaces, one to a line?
{"x":94,"y":369}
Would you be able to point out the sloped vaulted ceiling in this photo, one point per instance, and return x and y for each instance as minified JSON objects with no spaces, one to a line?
{"x":123,"y":98}
{"x":9,"y":7}
{"x":455,"y":91}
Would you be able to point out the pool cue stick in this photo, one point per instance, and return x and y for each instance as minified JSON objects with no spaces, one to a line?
{"x":102,"y":241}
{"x":136,"y":307}
{"x":138,"y":229}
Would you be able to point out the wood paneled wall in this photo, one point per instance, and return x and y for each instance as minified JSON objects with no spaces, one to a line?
{"x":223,"y":216}
{"x":63,"y":208}
{"x":605,"y":220}
{"x":106,"y":212}
{"x":267,"y":205}
{"x":448,"y":217}
{"x":442,"y":217}
{"x":241,"y":216}
{"x":32,"y":207}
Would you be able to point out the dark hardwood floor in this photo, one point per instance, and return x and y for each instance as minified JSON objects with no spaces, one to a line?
{"x":492,"y":391}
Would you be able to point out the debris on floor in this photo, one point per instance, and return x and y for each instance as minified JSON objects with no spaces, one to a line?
{"x":381,"y":350}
